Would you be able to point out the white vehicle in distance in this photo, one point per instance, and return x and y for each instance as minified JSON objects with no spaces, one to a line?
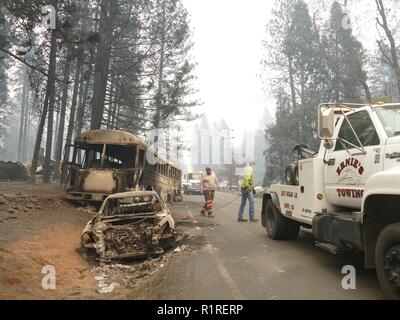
{"x":191,"y":182}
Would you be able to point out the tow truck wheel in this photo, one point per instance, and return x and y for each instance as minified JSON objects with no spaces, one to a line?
{"x":276,"y":224}
{"x":387,"y":261}
{"x":293,"y":230}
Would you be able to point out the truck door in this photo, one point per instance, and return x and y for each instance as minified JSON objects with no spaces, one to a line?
{"x":349,"y":167}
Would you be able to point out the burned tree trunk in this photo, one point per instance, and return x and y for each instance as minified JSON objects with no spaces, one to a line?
{"x":111,"y":103}
{"x":22,"y":122}
{"x":367,"y":90}
{"x":49,"y":92}
{"x":61,"y":126}
{"x":108,"y":11}
{"x":82,"y":107}
{"x":56,"y":130}
{"x":25,"y":137}
{"x":72,"y":113}
{"x":50,"y":118}
{"x":114,"y":114}
{"x":291,"y":82}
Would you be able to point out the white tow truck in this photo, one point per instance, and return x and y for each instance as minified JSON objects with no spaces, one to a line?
{"x":348,"y":193}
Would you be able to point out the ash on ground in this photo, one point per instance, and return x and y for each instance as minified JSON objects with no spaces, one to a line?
{"x":11,"y":204}
{"x":132,"y":274}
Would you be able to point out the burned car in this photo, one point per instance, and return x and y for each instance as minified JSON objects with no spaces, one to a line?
{"x":130,"y":225}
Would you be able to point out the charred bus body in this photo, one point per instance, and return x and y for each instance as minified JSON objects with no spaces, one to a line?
{"x":105,"y":162}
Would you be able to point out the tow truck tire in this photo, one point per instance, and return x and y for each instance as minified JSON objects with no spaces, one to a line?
{"x":387,"y":261}
{"x":289,"y":175}
{"x":275,"y":224}
{"x":293,"y":230}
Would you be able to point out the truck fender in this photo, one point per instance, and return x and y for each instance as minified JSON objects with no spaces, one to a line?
{"x":275,"y":199}
{"x":381,"y":183}
{"x":379,"y":209}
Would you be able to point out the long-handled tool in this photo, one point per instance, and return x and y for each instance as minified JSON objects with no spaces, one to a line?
{"x":229,"y":202}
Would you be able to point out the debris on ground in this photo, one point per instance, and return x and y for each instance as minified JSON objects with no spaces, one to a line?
{"x":13,"y":171}
{"x":105,"y":288}
{"x":179,"y":249}
{"x":88,"y":209}
{"x":134,"y":274}
{"x":111,"y":276}
{"x":130,"y":228}
{"x":13,"y":203}
{"x":38,"y":227}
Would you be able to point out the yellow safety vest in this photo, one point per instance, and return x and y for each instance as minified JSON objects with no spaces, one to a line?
{"x":248,"y":179}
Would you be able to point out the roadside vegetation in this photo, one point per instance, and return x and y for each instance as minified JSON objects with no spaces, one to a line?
{"x":318,"y":59}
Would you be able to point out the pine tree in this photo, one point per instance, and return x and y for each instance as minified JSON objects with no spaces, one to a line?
{"x":279,"y":154}
{"x":314,"y":65}
{"x":173,"y":65}
{"x":296,"y":102}
{"x":346,"y":59}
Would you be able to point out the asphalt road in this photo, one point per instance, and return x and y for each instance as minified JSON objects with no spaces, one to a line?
{"x":239,"y":261}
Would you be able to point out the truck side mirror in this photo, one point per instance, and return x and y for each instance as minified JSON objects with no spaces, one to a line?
{"x":326,"y":122}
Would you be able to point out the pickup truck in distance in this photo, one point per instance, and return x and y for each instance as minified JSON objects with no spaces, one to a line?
{"x":348,"y":193}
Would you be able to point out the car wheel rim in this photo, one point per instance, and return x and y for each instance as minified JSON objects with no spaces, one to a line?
{"x":392,"y":265}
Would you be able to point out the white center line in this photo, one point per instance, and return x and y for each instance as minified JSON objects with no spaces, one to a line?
{"x":228,"y":279}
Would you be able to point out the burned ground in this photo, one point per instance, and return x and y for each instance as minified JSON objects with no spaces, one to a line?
{"x":38,"y":228}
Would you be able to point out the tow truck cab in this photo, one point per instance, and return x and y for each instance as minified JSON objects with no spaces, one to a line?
{"x":349,"y":191}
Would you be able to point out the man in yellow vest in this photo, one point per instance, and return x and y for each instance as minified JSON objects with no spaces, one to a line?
{"x":247,"y":189}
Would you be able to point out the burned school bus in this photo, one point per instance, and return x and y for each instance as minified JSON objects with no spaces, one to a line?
{"x":105,"y":162}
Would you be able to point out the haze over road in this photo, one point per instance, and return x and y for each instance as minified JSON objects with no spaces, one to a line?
{"x":241,"y":262}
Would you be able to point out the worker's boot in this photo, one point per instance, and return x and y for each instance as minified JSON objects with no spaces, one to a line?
{"x":242,"y":220}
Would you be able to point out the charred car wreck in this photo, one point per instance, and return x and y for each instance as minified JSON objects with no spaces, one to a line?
{"x":130,"y":225}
